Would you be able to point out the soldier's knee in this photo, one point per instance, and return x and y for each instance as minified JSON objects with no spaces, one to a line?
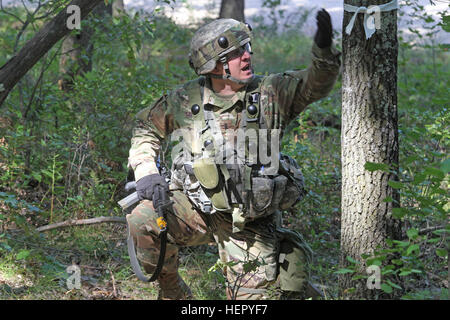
{"x":140,"y":217}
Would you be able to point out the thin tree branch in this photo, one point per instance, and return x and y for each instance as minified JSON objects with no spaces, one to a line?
{"x":75,"y":222}
{"x":2,"y":9}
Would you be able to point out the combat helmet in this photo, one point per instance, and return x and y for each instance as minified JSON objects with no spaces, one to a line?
{"x":213,"y":41}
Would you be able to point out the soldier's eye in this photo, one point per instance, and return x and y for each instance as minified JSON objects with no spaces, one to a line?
{"x":240,"y":51}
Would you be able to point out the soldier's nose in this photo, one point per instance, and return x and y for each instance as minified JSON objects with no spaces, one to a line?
{"x":246,"y":55}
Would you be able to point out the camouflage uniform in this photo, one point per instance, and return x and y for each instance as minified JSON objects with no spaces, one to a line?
{"x":251,"y":252}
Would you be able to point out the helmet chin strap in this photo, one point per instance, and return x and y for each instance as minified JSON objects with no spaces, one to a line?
{"x":228,"y":74}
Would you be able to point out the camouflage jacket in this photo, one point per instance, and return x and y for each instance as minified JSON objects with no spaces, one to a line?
{"x":282,"y":97}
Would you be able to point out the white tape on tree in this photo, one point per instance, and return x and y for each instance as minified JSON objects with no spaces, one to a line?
{"x":371,"y":16}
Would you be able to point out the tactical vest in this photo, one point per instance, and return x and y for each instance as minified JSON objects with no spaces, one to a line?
{"x":224,"y":178}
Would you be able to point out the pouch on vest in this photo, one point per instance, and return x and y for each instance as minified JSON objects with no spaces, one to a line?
{"x":295,"y":188}
{"x":266,"y":195}
{"x":293,"y":262}
{"x":207,"y":173}
{"x":261,"y":196}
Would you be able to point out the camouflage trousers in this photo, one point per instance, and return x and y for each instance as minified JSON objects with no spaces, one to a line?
{"x":250,"y":257}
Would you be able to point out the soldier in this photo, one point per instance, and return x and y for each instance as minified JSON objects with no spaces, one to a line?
{"x":222,"y":190}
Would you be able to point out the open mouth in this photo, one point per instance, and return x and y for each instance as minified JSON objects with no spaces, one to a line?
{"x":246,"y":68}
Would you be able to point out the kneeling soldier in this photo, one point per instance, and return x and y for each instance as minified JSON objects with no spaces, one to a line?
{"x":223,"y":187}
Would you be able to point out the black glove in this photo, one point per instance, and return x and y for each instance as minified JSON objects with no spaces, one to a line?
{"x":324,"y":32}
{"x":146,"y":185}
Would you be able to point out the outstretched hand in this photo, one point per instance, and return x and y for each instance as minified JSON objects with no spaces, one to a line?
{"x":324,"y":33}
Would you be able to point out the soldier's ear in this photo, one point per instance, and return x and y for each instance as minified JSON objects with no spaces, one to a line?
{"x":218,"y":69}
{"x":191,"y":64}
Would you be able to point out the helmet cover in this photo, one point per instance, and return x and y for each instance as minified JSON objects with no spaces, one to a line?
{"x":214,"y":40}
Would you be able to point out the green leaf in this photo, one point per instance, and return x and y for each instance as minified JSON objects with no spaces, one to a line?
{"x":440,"y":232}
{"x":37,"y":176}
{"x":410,"y":159}
{"x":398,"y":262}
{"x":435,"y":172}
{"x":446,"y":23}
{"x":393,"y":284}
{"x":412,"y":248}
{"x":386,"y":288}
{"x":441,"y":252}
{"x":23,"y":254}
{"x":374,"y":262}
{"x":412,"y":233}
{"x":371,"y":166}
{"x":5,"y":246}
{"x":344,"y":271}
{"x":395,"y":184}
{"x":445,"y":166}
{"x":33,"y":208}
{"x":350,"y":259}
{"x":47,"y":173}
{"x":399,"y":212}
{"x":419,"y":178}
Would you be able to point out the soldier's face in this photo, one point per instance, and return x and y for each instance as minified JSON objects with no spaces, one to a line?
{"x":239,"y":63}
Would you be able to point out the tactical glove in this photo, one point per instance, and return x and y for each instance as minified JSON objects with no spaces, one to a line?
{"x":145,"y":186}
{"x":324,"y":32}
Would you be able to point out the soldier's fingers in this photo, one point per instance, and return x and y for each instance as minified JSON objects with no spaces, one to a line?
{"x":325,"y":13}
{"x":324,"y":16}
{"x":323,"y":23}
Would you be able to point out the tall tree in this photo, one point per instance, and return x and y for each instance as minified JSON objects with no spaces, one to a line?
{"x":16,"y":67}
{"x":232,"y":9}
{"x":77,"y":50}
{"x":369,"y":134}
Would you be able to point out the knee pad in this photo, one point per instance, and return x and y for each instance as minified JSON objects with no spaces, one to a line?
{"x":294,"y":259}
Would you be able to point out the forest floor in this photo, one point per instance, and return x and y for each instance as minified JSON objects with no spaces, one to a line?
{"x":34,"y":266}
{"x":40,"y":271}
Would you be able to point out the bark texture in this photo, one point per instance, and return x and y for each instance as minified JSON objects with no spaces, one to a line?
{"x":232,"y":9}
{"x":369,"y":134}
{"x":15,"y":68}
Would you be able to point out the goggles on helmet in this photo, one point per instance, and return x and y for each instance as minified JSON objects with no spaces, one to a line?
{"x":239,"y":51}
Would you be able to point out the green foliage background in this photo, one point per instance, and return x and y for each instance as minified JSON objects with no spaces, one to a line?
{"x":64,"y":156}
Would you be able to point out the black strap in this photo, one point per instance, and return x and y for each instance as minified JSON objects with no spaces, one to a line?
{"x":135,"y":263}
{"x":162,"y":204}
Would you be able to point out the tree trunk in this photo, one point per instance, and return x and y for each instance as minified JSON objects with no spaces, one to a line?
{"x":15,"y":68}
{"x":369,"y":134}
{"x":77,"y":50}
{"x":232,"y":9}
